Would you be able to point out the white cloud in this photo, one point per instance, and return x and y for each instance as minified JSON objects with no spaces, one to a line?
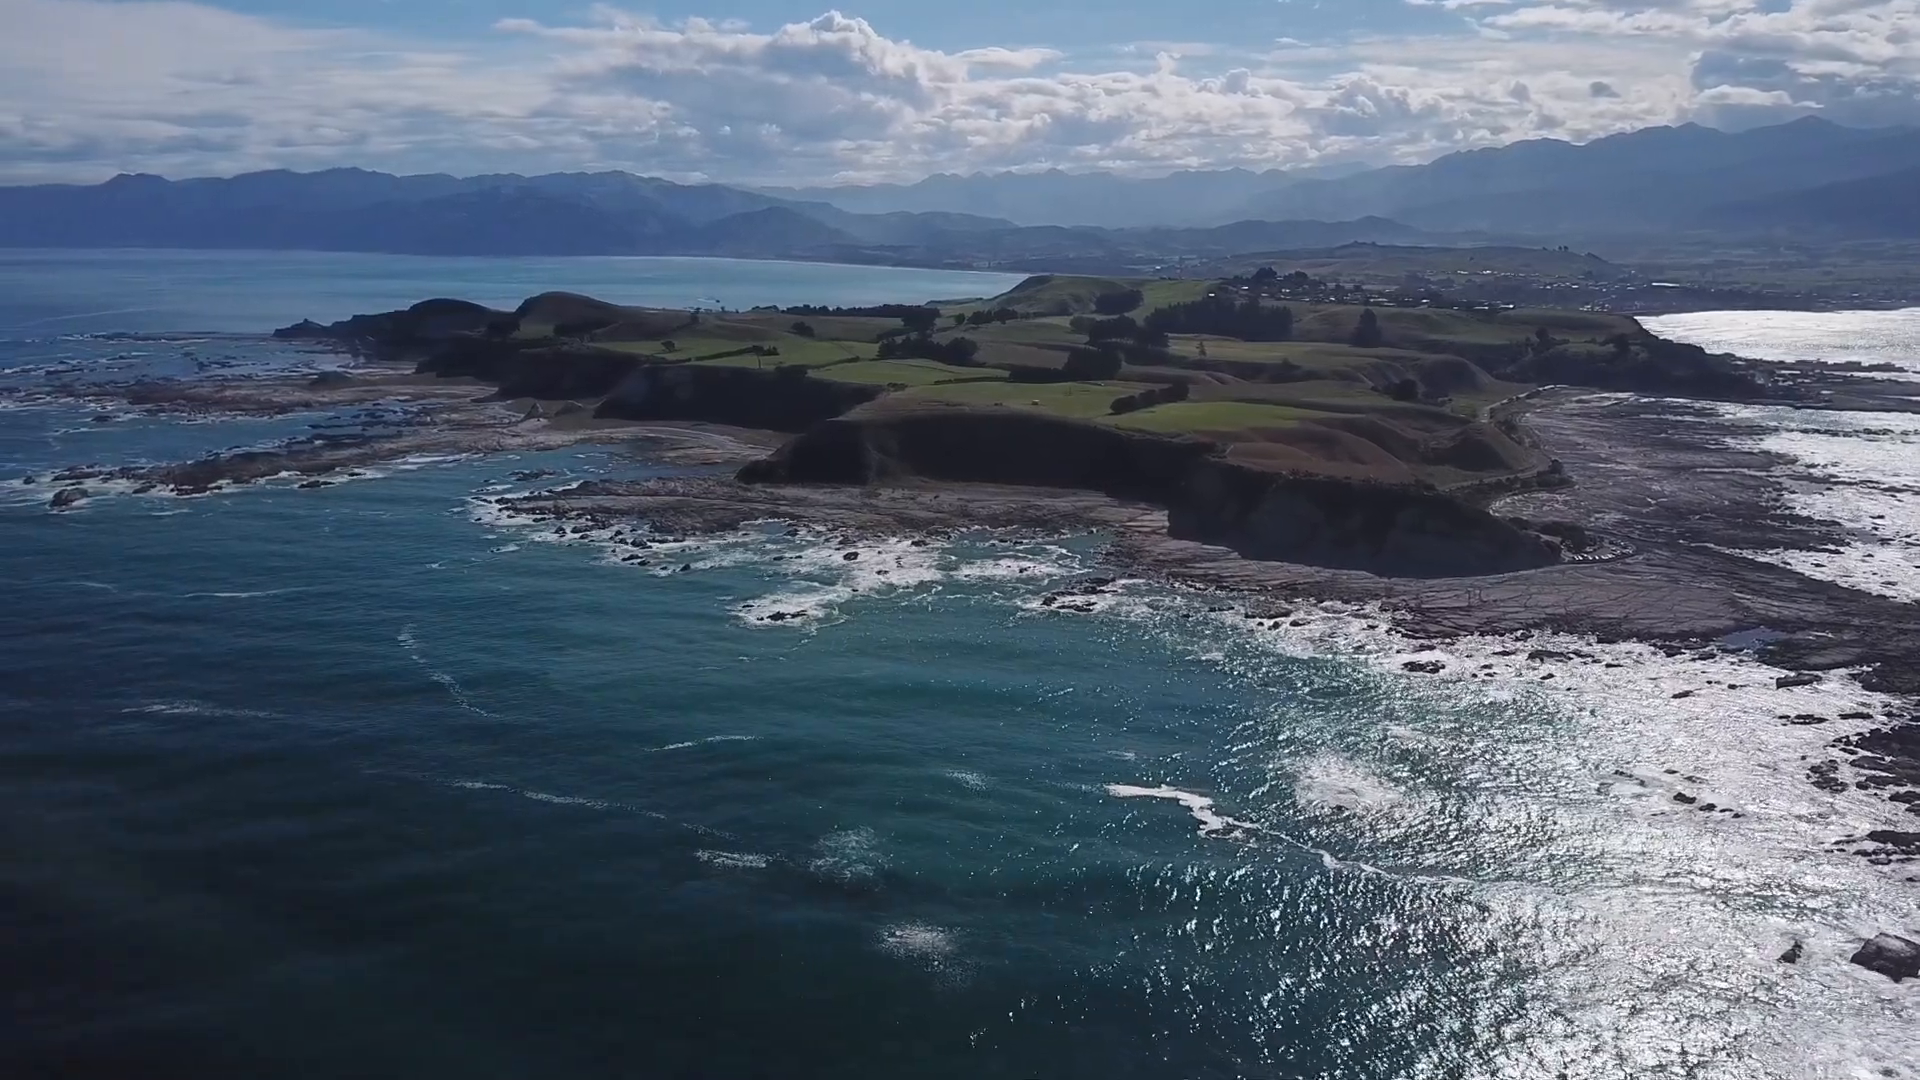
{"x":90,"y":87}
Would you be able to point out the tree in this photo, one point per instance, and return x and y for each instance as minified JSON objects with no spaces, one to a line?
{"x":1248,"y":320}
{"x":958,"y":351}
{"x":804,"y":329}
{"x":1120,"y":326}
{"x":1094,"y":364}
{"x":1118,"y":303}
{"x":1264,"y":275}
{"x":1366,"y":333}
{"x":1405,"y":390}
{"x":920,"y":320}
{"x":959,"y":320}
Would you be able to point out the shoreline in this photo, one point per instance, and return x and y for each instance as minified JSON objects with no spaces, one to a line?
{"x":1676,"y":503}
{"x":1013,"y":268}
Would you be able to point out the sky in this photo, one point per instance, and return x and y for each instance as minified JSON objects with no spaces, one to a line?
{"x":794,"y":92}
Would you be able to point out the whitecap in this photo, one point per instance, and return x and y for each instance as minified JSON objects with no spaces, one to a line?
{"x":1331,"y":781}
{"x":195,"y":708}
{"x":734,"y":860}
{"x":567,"y":800}
{"x":968,"y":779}
{"x":808,"y":604}
{"x":848,"y":855}
{"x":410,"y":644}
{"x":1211,"y":822}
{"x":702,"y":742}
{"x":917,"y":940}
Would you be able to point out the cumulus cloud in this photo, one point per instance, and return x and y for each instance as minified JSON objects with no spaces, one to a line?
{"x":90,"y":87}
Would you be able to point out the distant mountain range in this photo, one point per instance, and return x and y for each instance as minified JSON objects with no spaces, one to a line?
{"x":1809,"y":179}
{"x":595,"y":214}
{"x":1655,"y":179}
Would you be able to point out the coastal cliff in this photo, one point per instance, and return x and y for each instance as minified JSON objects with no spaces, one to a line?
{"x":1391,"y":530}
{"x":784,"y":399}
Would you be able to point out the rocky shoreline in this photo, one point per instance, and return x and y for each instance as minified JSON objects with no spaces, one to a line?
{"x":1667,"y":512}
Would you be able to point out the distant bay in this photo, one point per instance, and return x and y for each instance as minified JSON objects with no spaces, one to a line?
{"x":51,"y":293}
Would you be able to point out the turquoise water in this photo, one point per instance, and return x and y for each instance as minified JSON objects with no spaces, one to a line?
{"x":370,"y":781}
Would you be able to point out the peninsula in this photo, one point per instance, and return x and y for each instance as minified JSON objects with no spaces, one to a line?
{"x":1459,"y":466}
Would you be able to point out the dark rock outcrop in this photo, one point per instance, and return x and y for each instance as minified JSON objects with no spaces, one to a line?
{"x":67,"y":497}
{"x":424,"y":325}
{"x":1262,"y":514}
{"x":532,"y":368}
{"x":1393,"y":530}
{"x":1895,"y":957}
{"x":784,"y":399}
{"x":983,"y":446}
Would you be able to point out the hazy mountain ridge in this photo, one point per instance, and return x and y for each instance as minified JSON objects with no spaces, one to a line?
{"x":1647,"y":180}
{"x":1809,"y":179}
{"x":586,"y":214}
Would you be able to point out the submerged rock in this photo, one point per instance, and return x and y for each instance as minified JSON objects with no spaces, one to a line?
{"x":1895,"y":957}
{"x":1788,"y":682}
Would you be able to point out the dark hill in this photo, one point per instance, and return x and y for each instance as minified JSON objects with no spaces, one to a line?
{"x":1876,"y":207}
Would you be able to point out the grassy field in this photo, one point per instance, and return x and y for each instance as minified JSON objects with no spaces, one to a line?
{"x":1305,"y":353}
{"x":825,"y":327}
{"x":906,"y":373}
{"x":1064,"y":294}
{"x":1078,"y":400}
{"x":1053,"y":331}
{"x":1057,"y":294}
{"x":1162,"y":292}
{"x":1432,"y":329}
{"x":802,"y":351}
{"x":1388,"y":264}
{"x":1196,"y":417}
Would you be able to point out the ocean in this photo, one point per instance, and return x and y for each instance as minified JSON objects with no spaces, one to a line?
{"x":371,"y":781}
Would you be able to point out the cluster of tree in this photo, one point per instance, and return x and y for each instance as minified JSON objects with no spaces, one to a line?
{"x":1093,"y":363}
{"x":1147,"y":399}
{"x":1366,"y":332}
{"x":1118,"y":303}
{"x":983,"y":316}
{"x":1118,"y":328}
{"x":1407,"y":389}
{"x":916,"y":317}
{"x":960,"y":351}
{"x":1220,"y":315}
{"x":1299,"y":279}
{"x":803,"y":328}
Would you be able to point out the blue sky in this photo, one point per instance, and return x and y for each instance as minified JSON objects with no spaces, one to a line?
{"x":786,"y":92}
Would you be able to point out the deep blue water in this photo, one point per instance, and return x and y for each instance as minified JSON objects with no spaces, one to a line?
{"x":365,"y":782}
